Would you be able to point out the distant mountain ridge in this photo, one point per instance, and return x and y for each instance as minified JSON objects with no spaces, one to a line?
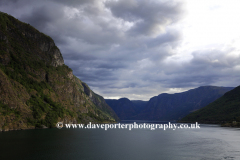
{"x":224,"y":109}
{"x":126,"y":109}
{"x":168,"y":107}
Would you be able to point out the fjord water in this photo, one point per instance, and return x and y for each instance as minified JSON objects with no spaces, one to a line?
{"x":208,"y":142}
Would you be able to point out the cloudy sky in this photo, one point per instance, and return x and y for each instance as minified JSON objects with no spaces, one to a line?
{"x":141,"y":48}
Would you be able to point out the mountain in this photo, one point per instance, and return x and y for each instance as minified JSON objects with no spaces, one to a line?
{"x":126,"y":109}
{"x":139,"y":105}
{"x":169,"y":107}
{"x":224,"y":109}
{"x":36,"y":88}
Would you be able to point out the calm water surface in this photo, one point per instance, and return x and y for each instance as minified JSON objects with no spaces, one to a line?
{"x":210,"y":142}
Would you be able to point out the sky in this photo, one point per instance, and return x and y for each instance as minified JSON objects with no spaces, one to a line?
{"x":141,"y":48}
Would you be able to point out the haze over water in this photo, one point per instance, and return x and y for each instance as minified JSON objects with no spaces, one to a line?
{"x":208,"y":142}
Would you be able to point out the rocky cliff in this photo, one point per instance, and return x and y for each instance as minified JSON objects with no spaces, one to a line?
{"x":36,"y":88}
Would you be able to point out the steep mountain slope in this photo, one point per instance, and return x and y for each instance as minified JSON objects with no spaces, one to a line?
{"x":36,"y":88}
{"x":139,"y":105}
{"x":224,"y":109}
{"x":99,"y":101}
{"x":166,"y":107}
{"x":126,"y":109}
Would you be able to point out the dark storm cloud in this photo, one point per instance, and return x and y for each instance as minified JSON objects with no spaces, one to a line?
{"x":6,"y":2}
{"x":149,"y":16}
{"x":122,"y":48}
{"x":75,"y":3}
{"x":42,"y":16}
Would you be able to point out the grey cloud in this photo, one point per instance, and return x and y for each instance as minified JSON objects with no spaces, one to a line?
{"x":119,"y":48}
{"x":112,"y":65}
{"x":215,"y":58}
{"x":168,"y":37}
{"x":149,"y":17}
{"x":42,"y":16}
{"x":4,"y":2}
{"x":74,"y":3}
{"x":207,"y":67}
